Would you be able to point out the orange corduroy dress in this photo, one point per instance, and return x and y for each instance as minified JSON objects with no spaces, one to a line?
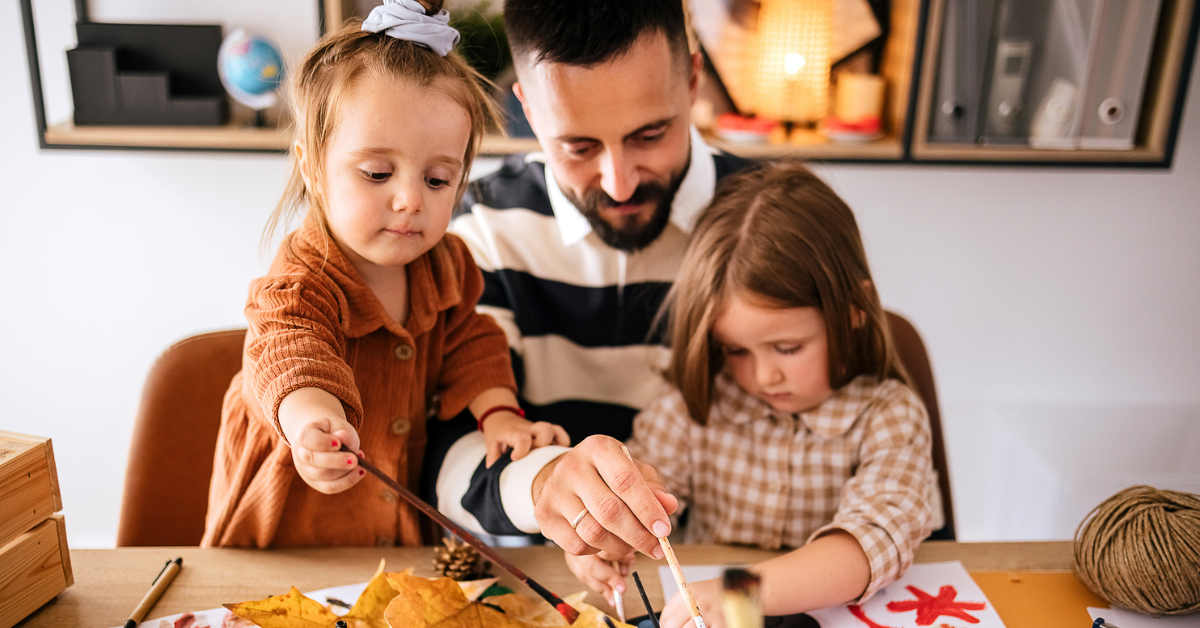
{"x":314,"y":322}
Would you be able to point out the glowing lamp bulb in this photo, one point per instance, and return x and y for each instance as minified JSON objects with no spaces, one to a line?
{"x":792,"y":63}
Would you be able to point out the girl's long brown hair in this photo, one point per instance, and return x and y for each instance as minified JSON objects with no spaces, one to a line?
{"x":324,"y":77}
{"x":778,"y":234}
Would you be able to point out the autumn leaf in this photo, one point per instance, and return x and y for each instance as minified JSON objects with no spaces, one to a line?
{"x":477,"y":615}
{"x":291,"y":610}
{"x":421,"y":602}
{"x":531,"y":612}
{"x":368,"y":610}
{"x":589,"y":616}
{"x":534,"y":612}
{"x":474,"y":589}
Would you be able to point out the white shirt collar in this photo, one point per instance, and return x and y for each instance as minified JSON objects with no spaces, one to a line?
{"x":695,"y":191}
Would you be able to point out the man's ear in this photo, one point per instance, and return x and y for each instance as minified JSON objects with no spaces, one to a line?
{"x":694,"y":73}
{"x":520,"y":93}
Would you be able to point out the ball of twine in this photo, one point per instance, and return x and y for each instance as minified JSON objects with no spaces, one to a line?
{"x":1141,"y":549}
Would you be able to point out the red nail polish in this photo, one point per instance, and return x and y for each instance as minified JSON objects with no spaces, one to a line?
{"x":361,"y":472}
{"x":335,"y":444}
{"x":350,"y":461}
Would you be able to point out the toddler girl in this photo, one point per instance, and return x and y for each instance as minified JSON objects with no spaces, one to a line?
{"x":790,"y":423}
{"x":365,"y":323}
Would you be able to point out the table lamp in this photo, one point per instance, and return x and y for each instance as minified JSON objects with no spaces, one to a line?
{"x":791,"y":61}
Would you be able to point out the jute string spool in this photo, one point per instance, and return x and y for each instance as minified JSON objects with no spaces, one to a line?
{"x":1140,"y":549}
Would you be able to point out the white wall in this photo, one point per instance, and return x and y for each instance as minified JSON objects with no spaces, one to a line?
{"x":1059,"y":307}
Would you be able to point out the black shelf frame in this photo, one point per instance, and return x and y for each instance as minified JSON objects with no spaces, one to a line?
{"x":906,"y":134}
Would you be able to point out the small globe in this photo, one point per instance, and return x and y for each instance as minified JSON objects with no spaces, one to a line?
{"x":251,"y":69}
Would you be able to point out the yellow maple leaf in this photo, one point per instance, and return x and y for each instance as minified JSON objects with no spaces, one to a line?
{"x":424,"y":603}
{"x":291,"y":610}
{"x":533,"y":611}
{"x":477,"y":615}
{"x":368,"y":610}
{"x":421,"y":602}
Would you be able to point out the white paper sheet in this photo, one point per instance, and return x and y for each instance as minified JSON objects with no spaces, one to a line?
{"x":930,"y":579}
{"x":1122,"y":618}
{"x":693,"y":573}
{"x":214,"y":617}
{"x":928,"y":594}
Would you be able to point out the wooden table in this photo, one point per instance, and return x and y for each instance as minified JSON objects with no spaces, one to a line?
{"x":109,"y":583}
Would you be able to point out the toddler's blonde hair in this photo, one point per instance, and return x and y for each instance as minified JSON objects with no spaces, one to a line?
{"x":319,"y":86}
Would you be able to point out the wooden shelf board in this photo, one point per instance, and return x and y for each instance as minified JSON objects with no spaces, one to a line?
{"x":809,"y":147}
{"x":813,"y":147}
{"x":499,"y":145}
{"x":1023,"y":154}
{"x":234,"y":136}
{"x":231,"y":136}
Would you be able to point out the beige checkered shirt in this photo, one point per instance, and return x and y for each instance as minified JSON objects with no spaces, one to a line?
{"x":859,"y":462}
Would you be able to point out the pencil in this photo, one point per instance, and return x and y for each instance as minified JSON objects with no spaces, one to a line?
{"x":157,"y":588}
{"x":677,"y":571}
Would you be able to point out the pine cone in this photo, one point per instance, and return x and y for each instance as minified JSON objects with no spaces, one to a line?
{"x":459,"y":561}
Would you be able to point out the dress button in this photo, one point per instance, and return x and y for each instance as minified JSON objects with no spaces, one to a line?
{"x":400,"y":427}
{"x":388,"y":496}
{"x":404,"y":352}
{"x":385,"y":541}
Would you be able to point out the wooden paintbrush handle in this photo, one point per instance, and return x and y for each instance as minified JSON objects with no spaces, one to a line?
{"x":568,"y":612}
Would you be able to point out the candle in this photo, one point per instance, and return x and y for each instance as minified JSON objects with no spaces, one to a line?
{"x":859,"y":97}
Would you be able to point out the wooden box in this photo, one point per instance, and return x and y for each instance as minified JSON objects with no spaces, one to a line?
{"x":28,"y":483}
{"x":35,"y":565}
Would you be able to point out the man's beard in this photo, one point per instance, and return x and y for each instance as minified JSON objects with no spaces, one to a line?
{"x":628,"y":235}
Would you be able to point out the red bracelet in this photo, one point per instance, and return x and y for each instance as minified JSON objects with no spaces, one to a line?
{"x":487,"y":413}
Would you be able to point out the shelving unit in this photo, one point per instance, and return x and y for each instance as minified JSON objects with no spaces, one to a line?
{"x":1170,"y":67}
{"x":909,"y":67}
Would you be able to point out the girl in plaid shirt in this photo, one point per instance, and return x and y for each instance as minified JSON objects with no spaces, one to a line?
{"x":790,"y":423}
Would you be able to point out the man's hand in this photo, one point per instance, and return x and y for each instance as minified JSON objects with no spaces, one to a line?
{"x":627,"y":505}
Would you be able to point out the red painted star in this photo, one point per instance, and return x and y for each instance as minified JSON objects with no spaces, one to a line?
{"x":929,"y":608}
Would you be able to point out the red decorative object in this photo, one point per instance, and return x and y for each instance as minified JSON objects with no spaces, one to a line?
{"x":929,"y":608}
{"x":872,"y":124}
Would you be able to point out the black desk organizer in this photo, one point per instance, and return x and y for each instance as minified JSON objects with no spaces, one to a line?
{"x":147,"y":74}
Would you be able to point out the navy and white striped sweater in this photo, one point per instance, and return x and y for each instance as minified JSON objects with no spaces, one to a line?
{"x":577,"y":312}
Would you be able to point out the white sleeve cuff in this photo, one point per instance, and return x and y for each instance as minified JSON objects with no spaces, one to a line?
{"x":516,"y":485}
{"x":454,"y":479}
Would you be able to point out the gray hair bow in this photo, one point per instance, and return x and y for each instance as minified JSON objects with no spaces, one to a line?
{"x":406,"y":19}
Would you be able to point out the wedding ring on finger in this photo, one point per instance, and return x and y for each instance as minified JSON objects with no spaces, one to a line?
{"x":579,"y":517}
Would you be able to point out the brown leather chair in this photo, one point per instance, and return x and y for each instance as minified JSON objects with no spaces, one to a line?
{"x":171,"y":455}
{"x":915,"y":359}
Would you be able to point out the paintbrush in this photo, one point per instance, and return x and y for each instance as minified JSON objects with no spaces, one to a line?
{"x":646,"y":600}
{"x":677,"y":571}
{"x":740,"y":600}
{"x":564,"y":609}
{"x":618,"y":601}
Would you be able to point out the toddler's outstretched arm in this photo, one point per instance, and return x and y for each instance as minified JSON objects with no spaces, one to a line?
{"x":829,"y":570}
{"x":315,"y":426}
{"x":504,"y":429}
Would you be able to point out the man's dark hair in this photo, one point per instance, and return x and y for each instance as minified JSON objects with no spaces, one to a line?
{"x":589,"y":32}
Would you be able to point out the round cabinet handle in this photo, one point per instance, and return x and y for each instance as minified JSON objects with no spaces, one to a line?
{"x":1112,"y":110}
